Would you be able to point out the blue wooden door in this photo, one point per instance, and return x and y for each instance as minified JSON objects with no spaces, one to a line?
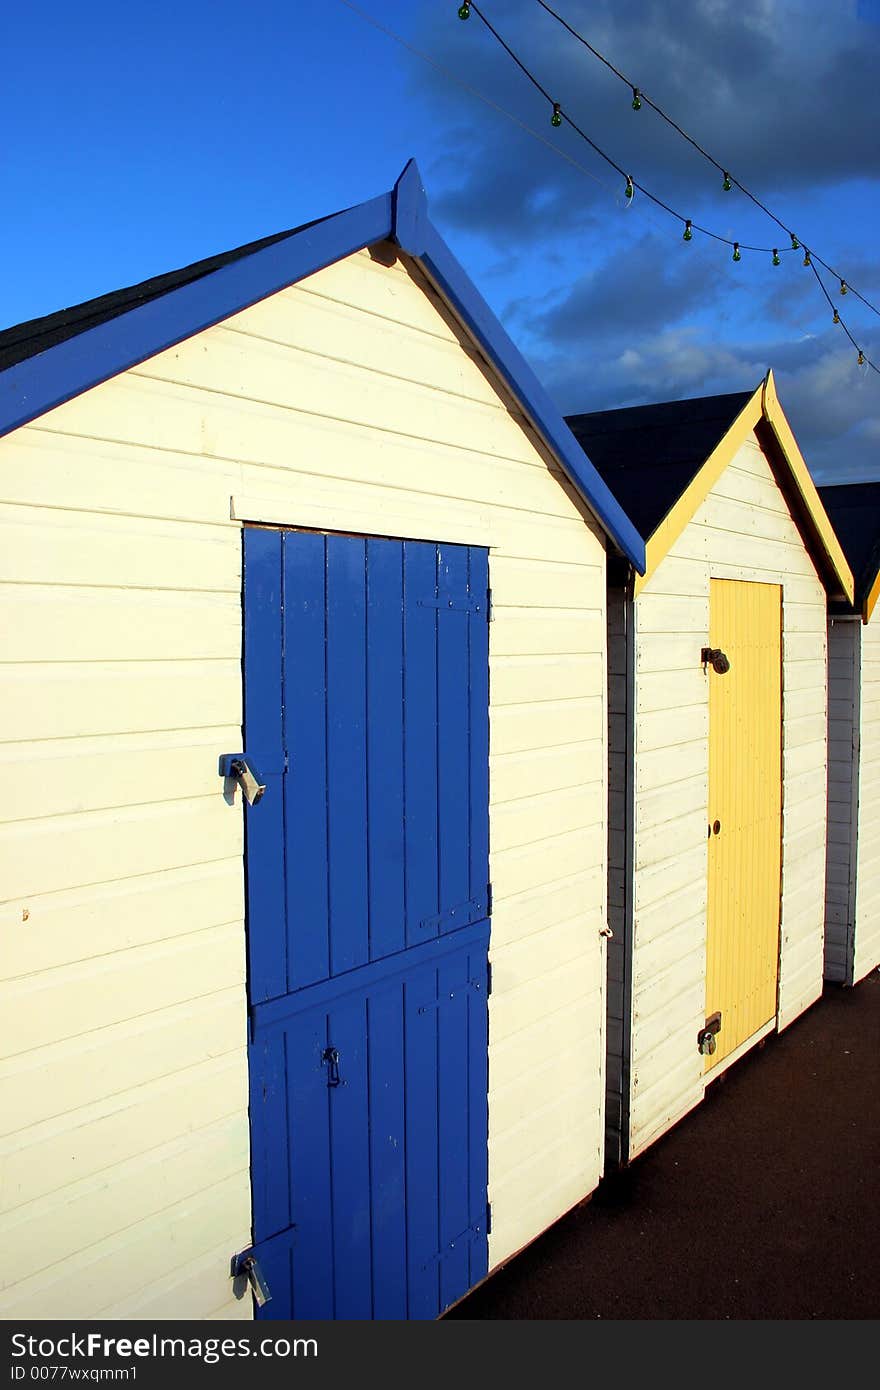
{"x":366,"y":712}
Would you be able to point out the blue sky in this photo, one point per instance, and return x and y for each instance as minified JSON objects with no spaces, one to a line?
{"x":137,"y":139}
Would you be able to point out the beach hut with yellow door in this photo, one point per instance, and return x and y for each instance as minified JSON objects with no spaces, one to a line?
{"x":852,"y":885}
{"x":718,"y":745}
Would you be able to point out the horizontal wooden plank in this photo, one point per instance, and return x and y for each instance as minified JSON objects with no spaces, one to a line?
{"x":530,"y":679}
{"x":570,"y":1029}
{"x":539,"y":583}
{"x":237,"y":367}
{"x":82,"y":1070}
{"x":60,"y":852}
{"x":42,"y":1160}
{"x":114,"y":1272}
{"x":662,"y":614}
{"x":523,"y":728}
{"x":60,"y":776}
{"x":53,"y":545}
{"x":534,"y":818}
{"x":344,"y":333}
{"x":536,"y":772}
{"x":100,"y":919}
{"x":665,"y":766}
{"x":527,"y":866}
{"x":60,"y":1004}
{"x":518,"y":915}
{"x":672,"y":728}
{"x":43,"y":1233}
{"x":50,"y":623}
{"x":552,"y":632}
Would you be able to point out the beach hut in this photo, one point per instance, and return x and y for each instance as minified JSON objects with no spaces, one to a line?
{"x":852,"y":885}
{"x":303,"y":698}
{"x":718,"y":750}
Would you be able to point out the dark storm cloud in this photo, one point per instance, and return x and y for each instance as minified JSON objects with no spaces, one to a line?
{"x":635,"y":293}
{"x":782,"y":92}
{"x":833,"y":405}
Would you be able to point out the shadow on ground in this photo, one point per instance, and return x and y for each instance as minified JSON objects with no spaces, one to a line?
{"x":762,"y":1203}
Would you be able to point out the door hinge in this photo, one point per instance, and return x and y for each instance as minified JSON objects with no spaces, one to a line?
{"x":490,"y":612}
{"x":488,"y":900}
{"x":488,"y":1218}
{"x":488,"y":978}
{"x":462,"y":915}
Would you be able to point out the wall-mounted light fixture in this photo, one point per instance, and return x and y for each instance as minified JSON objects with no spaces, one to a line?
{"x":714,"y":657}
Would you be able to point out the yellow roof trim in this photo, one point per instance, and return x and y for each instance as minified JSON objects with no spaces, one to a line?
{"x":775,"y":417}
{"x":676,"y":519}
{"x":762,"y":405}
{"x":870,"y":601}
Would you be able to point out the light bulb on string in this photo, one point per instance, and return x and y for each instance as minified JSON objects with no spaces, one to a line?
{"x":776,"y":260}
{"x":843,"y":287}
{"x":861,"y":358}
{"x":807,"y":260}
{"x":464,"y":11}
{"x":637,"y":99}
{"x":629,"y":191}
{"x":688,"y":234}
{"x":727,"y":185}
{"x":737,"y":256}
{"x":795,"y":244}
{"x":836,"y":318}
{"x":556,"y":118}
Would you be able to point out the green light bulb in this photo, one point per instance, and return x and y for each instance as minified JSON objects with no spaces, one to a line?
{"x":464,"y":11}
{"x":776,"y":260}
{"x":637,"y":100}
{"x":629,"y":190}
{"x":727,"y":185}
{"x":688,"y":234}
{"x":556,"y":118}
{"x":736,"y":251}
{"x":795,"y":244}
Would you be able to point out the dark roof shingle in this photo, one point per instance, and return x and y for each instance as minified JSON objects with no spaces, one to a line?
{"x":854,"y":510}
{"x":649,"y":454}
{"x":25,"y":340}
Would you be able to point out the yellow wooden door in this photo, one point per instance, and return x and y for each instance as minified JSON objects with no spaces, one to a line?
{"x":745,"y":810}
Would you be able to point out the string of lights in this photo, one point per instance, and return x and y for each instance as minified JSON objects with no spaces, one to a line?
{"x":631,"y":185}
{"x":640,"y":98}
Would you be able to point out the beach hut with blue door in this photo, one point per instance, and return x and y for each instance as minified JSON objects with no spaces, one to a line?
{"x":717,"y":704}
{"x":304,"y":841}
{"x":852,"y":885}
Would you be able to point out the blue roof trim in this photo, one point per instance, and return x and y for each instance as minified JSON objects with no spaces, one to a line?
{"x":40,"y":383}
{"x":61,"y":372}
{"x":472,"y":308}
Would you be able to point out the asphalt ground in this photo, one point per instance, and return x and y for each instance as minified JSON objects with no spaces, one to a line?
{"x":761,"y":1203}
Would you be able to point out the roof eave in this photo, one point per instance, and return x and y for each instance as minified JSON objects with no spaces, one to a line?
{"x":829,"y":550}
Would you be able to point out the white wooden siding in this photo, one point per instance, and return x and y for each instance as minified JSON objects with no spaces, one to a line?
{"x":866,"y":946}
{"x":743,"y":530}
{"x":351,"y":402}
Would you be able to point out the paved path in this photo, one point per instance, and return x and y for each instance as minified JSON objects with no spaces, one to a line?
{"x":762,"y":1203}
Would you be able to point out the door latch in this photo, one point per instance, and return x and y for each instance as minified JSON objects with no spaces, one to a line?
{"x":706,"y":1038}
{"x":241,"y":770}
{"x":247,"y":1265}
{"x":330,"y":1058}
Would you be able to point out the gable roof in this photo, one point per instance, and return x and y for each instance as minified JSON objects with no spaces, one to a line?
{"x":650,"y":454}
{"x":854,"y":509}
{"x":50,"y":360}
{"x":662,"y":462}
